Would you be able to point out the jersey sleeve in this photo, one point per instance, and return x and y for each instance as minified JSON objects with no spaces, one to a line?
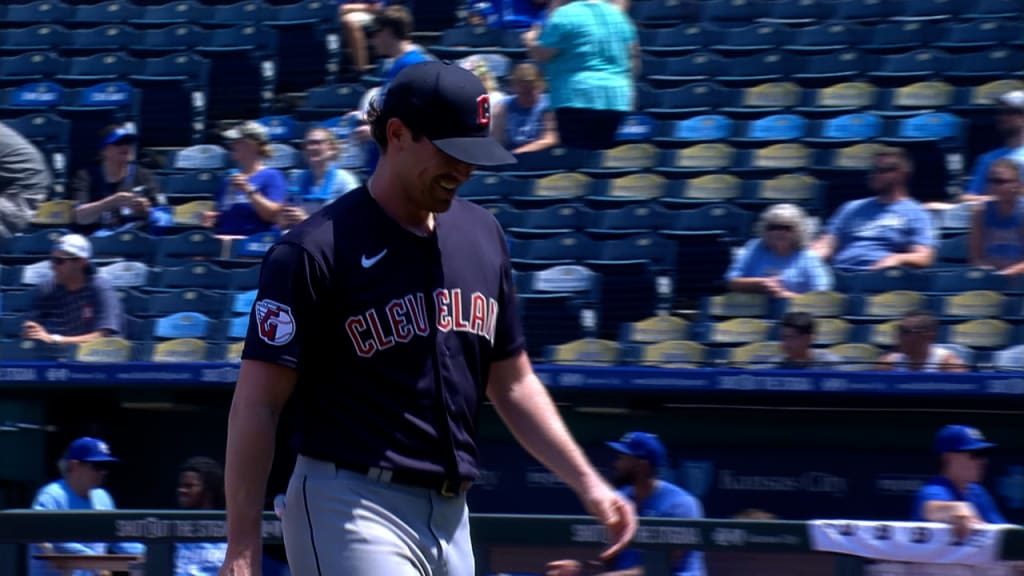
{"x":283,"y":310}
{"x":508,"y":333}
{"x":929,"y":493}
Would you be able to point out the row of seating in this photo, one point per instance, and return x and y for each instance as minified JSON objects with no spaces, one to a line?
{"x":164,"y":13}
{"x":121,"y":350}
{"x":200,"y":275}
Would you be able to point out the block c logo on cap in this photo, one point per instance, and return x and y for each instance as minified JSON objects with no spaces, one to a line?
{"x":274,"y":322}
{"x":483,"y":110}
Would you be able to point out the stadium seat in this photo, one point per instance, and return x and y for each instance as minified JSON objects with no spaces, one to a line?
{"x":735,"y":331}
{"x":891,"y":304}
{"x":1009,"y":359}
{"x":30,"y":350}
{"x":284,"y":157}
{"x":977,"y":35}
{"x":932,"y":10}
{"x":29,"y":247}
{"x":662,"y":12}
{"x":584,"y":352}
{"x":627,"y":221}
{"x":801,"y":189}
{"x":243,"y":71}
{"x":867,"y":11}
{"x":672,"y":354}
{"x":972,"y":304}
{"x":200,"y":275}
{"x":108,"y":12}
{"x":554,"y":188}
{"x":734,"y":222}
{"x":733,"y":13}
{"x":838,"y":99}
{"x":757,"y":69}
{"x":831,"y":331}
{"x":177,"y":350}
{"x":888,"y":279}
{"x":698,"y":158}
{"x":821,"y":70}
{"x":199,"y":244}
{"x":53,"y":213}
{"x":547,"y":162}
{"x":201,"y":157}
{"x":673,"y":71}
{"x":126,"y":274}
{"x":555,"y":251}
{"x":751,"y":39}
{"x":678,"y":40}
{"x":753,"y":355}
{"x":329,"y":101}
{"x":30,"y":67}
{"x":34,"y":38}
{"x":308,"y":50}
{"x":695,"y":98}
{"x":105,"y":350}
{"x":174,"y":12}
{"x":621,"y":160}
{"x":822,"y":38}
{"x":965,"y":280}
{"x":953,"y":251}
{"x":190,"y":186}
{"x":38,"y":12}
{"x":635,"y":128}
{"x":846,"y":130}
{"x":465,"y":40}
{"x":703,"y":190}
{"x":567,"y":279}
{"x":103,"y":67}
{"x":176,"y":88}
{"x":801,"y":12}
{"x":244,"y":279}
{"x":855,"y":356}
{"x":182,"y":325}
{"x":702,"y":128}
{"x":994,"y":9}
{"x":33,"y":97}
{"x":105,"y":38}
{"x":771,"y":129}
{"x":16,"y":301}
{"x":763,"y":100}
{"x":632,"y":189}
{"x":900,"y":69}
{"x":549,"y":221}
{"x":241,"y":302}
{"x":941,"y":128}
{"x":253,"y":247}
{"x":882,"y":334}
{"x":654,"y":329}
{"x":985,"y":333}
{"x":776,"y":159}
{"x":233,"y":329}
{"x":131,"y":244}
{"x":980,"y":67}
{"x":818,"y":304}
{"x":204,"y":302}
{"x":735,"y":305}
{"x":549,"y":319}
{"x":157,"y":42}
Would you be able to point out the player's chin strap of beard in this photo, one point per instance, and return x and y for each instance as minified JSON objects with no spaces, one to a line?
{"x":453,"y":484}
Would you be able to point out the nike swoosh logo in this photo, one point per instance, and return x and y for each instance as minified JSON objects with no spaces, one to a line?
{"x":367,"y":262}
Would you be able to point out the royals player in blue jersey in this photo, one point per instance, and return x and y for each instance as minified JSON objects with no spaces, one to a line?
{"x":641,"y":455}
{"x":386,"y":318}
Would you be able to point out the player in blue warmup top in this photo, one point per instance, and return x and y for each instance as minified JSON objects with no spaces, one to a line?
{"x":386,"y":318}
{"x":641,"y":455}
{"x":956,"y":495}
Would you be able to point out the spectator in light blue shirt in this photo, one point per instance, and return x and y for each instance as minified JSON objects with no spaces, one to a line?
{"x":888,"y":230}
{"x":956,"y":495}
{"x":200,"y":487}
{"x":84,"y":468}
{"x":319,"y":184}
{"x":778,"y":262}
{"x":641,"y":456}
{"x":1010,"y":123}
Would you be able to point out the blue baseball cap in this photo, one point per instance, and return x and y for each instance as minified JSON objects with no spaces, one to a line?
{"x":88,"y":449}
{"x":957,"y":438}
{"x":450,"y":107}
{"x":642,"y":445}
{"x":120,"y":136}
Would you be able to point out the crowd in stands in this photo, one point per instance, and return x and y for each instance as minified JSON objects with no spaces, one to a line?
{"x":720,"y":201}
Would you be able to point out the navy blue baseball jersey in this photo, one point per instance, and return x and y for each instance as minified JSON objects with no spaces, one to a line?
{"x":373,"y":317}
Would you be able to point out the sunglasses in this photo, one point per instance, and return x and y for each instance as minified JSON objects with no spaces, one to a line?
{"x":99,"y":466}
{"x":1001,"y":181}
{"x":58,"y":260}
{"x":975,"y":455}
{"x":779,"y":228}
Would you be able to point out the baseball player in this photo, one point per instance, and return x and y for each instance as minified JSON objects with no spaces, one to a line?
{"x":386,"y":318}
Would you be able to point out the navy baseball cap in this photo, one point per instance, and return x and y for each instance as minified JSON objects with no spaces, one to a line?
{"x":449,"y":106}
{"x":957,"y":438}
{"x":643,"y":445}
{"x":120,"y":136}
{"x":88,"y":449}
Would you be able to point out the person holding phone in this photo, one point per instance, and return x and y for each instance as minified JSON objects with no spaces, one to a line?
{"x":115,"y":192}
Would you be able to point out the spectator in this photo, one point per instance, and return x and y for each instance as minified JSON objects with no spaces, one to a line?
{"x":888,"y":230}
{"x":75,"y":305}
{"x":479,"y":67}
{"x":200,"y":487}
{"x":392,"y":38}
{"x":997,"y":227}
{"x":916,"y":350}
{"x":322,"y":182}
{"x":251,"y":197}
{"x":524,"y":121}
{"x":115,"y":192}
{"x":25,"y":181}
{"x":640,"y":456}
{"x":355,"y":17}
{"x":590,"y":50}
{"x":796,"y":330}
{"x":84,"y":468}
{"x":956,"y":495}
{"x":778,"y":262}
{"x":1010,"y":122}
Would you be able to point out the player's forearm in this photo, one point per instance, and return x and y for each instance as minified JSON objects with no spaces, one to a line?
{"x":528,"y":411}
{"x":936,"y":511}
{"x":250,"y":453}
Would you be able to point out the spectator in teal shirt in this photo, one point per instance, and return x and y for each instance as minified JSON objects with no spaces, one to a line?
{"x":590,"y":52}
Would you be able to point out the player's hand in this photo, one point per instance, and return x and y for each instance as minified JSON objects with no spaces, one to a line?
{"x":617,"y":514}
{"x":563,"y":568}
{"x":33,"y":331}
{"x":239,"y":565}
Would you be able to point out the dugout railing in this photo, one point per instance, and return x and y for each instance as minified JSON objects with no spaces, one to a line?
{"x":503,"y":543}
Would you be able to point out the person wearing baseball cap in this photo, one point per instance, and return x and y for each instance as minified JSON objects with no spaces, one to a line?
{"x":75,"y":305}
{"x":955,"y":495}
{"x":1009,"y":108}
{"x":253,"y":194}
{"x":432,"y":329}
{"x":84,"y":468}
{"x":114,"y":192}
{"x":640,"y":457}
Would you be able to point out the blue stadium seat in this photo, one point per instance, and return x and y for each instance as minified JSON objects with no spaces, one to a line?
{"x":549,"y":319}
{"x":131,"y":244}
{"x":662,"y":12}
{"x":332,"y":100}
{"x":549,"y":221}
{"x":242,"y":74}
{"x":30,"y":350}
{"x":802,"y":12}
{"x":29,"y":247}
{"x":820,"y":70}
{"x":51,"y":133}
{"x":104,"y":67}
{"x":1009,"y":359}
{"x":547,"y":162}
{"x":733,"y":13}
{"x":952,"y":251}
{"x":567,"y":279}
{"x":696,"y":98}
{"x":176,"y":88}
{"x":635,"y":128}
{"x":190,"y":186}
{"x":244,"y":279}
{"x":200,"y":275}
{"x":209,"y":304}
{"x":482,"y":188}
{"x":994,"y":9}
{"x":824,"y":38}
{"x":90,"y":110}
{"x":940,"y":127}
{"x":758,"y":68}
{"x":734,"y":222}
{"x":232,"y":329}
{"x":241,"y":302}
{"x":770,"y":129}
{"x":682,"y":69}
{"x":980,"y":67}
{"x":284,"y":157}
{"x":126,"y":274}
{"x":867,"y":11}
{"x":308,"y":44}
{"x":965,"y":280}
{"x":108,"y":12}
{"x":28,"y":98}
{"x":254,"y":246}
{"x":886,"y":280}
{"x":978,"y":35}
{"x":896,"y":37}
{"x":38,"y":12}
{"x":105,"y":38}
{"x":16,"y":302}
{"x":628,"y":221}
{"x":175,"y":250}
{"x":702,"y":128}
{"x":678,"y":40}
{"x":933,"y":10}
{"x":174,"y":12}
{"x":901,"y":69}
{"x":201,"y":157}
{"x":801,"y":189}
{"x":465,"y":40}
{"x":30,"y":67}
{"x":846,"y":130}
{"x":244,"y":12}
{"x":751,"y":39}
{"x":157,"y":42}
{"x":33,"y":38}
{"x":555,"y":251}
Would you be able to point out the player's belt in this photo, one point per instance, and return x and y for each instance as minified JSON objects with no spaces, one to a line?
{"x":448,"y":488}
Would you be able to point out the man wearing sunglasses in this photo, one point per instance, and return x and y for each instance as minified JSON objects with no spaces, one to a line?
{"x":916,"y":349}
{"x":84,"y":468}
{"x":956,"y":495}
{"x":75,"y":305}
{"x":887,"y":230}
